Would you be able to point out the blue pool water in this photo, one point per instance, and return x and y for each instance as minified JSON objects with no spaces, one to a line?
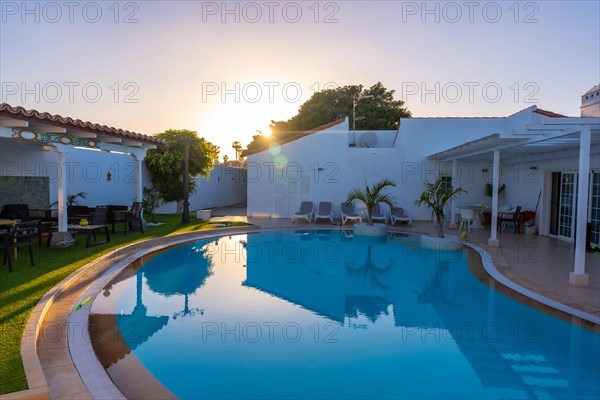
{"x":322,"y":314}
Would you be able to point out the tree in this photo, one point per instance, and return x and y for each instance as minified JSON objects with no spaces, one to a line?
{"x":237,"y":146}
{"x":151,"y":202}
{"x":436,"y":196}
{"x":166,"y":164}
{"x":372,"y":196}
{"x":380,"y":112}
{"x":225,"y":159}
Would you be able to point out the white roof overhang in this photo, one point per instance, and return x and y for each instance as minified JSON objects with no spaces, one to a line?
{"x":553,"y":138}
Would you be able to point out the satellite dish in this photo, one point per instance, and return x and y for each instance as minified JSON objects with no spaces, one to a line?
{"x":368,"y":139}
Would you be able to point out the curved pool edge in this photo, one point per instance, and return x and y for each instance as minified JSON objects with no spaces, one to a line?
{"x":39,"y":385}
{"x":90,"y":366}
{"x":492,"y":271}
{"x":91,"y":372}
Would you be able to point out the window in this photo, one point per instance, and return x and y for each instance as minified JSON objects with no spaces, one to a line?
{"x":447,"y":182}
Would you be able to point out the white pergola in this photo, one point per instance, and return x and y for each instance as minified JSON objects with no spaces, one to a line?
{"x":61,"y":135}
{"x":552,"y":138}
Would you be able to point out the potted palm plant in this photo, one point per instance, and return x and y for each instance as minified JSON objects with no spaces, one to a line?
{"x":436,"y":196}
{"x":371,"y":196}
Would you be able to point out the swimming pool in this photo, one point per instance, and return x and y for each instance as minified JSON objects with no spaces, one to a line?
{"x":323,"y":314}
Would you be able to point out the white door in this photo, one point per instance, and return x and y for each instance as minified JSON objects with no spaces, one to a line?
{"x":595,"y":209}
{"x":289,"y":193}
{"x":567,"y":210}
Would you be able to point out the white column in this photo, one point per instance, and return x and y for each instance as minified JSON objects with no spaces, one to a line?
{"x":578,"y":277}
{"x":62,"y":238}
{"x":62,"y":193}
{"x":455,"y":184}
{"x":493,"y":240}
{"x":139,"y":187}
{"x":138,"y":157}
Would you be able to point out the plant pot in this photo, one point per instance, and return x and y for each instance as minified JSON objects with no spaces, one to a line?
{"x":203,"y":215}
{"x":374,"y":230}
{"x":487,"y":217}
{"x":448,"y":243}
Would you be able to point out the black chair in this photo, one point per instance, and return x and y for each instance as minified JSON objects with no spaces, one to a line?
{"x":99,"y":216}
{"x":7,"y":238}
{"x":24,"y":233}
{"x":514,"y":218}
{"x":111,"y":213}
{"x":127,"y":217}
{"x":15,"y":211}
{"x":76,"y":213}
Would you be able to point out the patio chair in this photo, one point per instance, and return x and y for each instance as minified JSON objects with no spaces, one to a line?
{"x":377,"y":215}
{"x":305,"y":212}
{"x":398,"y":214}
{"x":99,"y":216}
{"x":349,"y":213}
{"x":467,"y":216}
{"x":128,"y":217}
{"x":24,"y":233}
{"x":7,"y":238}
{"x":324,"y":212}
{"x":513,"y":218}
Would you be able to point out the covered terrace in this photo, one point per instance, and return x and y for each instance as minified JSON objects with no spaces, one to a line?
{"x":62,"y":135}
{"x":552,"y":139}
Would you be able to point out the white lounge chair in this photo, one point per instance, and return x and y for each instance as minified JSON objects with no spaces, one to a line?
{"x":378,"y":215}
{"x":398,"y":214}
{"x":349,"y":213}
{"x":306,"y":211}
{"x":324,"y":212}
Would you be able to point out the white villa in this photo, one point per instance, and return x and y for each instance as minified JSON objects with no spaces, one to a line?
{"x":539,"y":154}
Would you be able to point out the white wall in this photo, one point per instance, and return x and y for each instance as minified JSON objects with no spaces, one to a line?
{"x":225,"y":186}
{"x":523,"y":184}
{"x":274,"y":192}
{"x":85,"y":171}
{"x":345,"y":168}
{"x":384,"y":138}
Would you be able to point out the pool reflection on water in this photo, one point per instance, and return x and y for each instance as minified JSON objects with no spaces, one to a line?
{"x":323,"y":314}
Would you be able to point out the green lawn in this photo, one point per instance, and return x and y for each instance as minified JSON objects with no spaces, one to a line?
{"x":22,"y":289}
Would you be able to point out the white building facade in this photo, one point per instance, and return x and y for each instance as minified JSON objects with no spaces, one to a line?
{"x":538,"y":155}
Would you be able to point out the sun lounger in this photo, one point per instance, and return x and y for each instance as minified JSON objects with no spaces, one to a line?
{"x":324,"y":212}
{"x":306,"y":211}
{"x":398,"y":214}
{"x":349,"y":213}
{"x":378,"y":215}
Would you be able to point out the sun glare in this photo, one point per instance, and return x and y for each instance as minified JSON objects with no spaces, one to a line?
{"x":267,"y":132}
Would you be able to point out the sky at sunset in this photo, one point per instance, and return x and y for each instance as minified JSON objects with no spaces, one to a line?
{"x":226,"y":69}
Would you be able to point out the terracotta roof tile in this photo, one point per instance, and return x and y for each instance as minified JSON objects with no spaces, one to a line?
{"x":6,"y":110}
{"x":550,"y":114}
{"x":246,"y":153}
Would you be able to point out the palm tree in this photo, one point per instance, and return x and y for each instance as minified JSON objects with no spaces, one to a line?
{"x":72,"y":198}
{"x":371,"y":196}
{"x":237,"y":146}
{"x":436,"y":196}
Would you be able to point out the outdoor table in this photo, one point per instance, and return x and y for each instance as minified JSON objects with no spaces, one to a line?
{"x":90,"y":231}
